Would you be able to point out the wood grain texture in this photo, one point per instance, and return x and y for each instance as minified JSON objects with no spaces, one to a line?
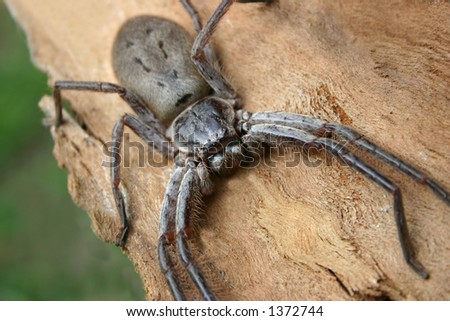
{"x":277,"y":233}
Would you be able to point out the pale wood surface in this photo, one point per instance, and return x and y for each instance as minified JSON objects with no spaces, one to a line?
{"x":381,"y":67}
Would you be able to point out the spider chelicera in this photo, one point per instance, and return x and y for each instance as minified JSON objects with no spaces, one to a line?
{"x":209,"y":131}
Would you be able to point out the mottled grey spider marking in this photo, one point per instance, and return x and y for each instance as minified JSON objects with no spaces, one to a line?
{"x":157,"y":66}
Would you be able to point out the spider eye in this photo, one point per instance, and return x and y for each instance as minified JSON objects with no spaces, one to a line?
{"x":214,"y":148}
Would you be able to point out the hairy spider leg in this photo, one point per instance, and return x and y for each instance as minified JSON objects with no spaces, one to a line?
{"x":209,"y":52}
{"x":195,"y":17}
{"x":320,"y":127}
{"x":180,"y":202}
{"x":212,"y":76}
{"x":105,"y":87}
{"x":186,"y":206}
{"x":167,"y":233}
{"x":148,"y":135}
{"x":147,"y":127}
{"x":208,"y":66}
{"x":280,"y":135}
{"x":357,"y":139}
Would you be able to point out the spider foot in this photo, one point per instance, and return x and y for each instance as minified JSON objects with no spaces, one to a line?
{"x":418,"y":268}
{"x":121,"y":237}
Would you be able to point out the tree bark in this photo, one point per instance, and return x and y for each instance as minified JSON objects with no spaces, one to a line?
{"x":274,"y":232}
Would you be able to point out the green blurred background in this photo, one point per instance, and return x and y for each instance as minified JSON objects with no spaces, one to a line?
{"x":47,"y":248}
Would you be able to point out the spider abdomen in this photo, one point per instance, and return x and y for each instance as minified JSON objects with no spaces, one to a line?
{"x":151,"y":57}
